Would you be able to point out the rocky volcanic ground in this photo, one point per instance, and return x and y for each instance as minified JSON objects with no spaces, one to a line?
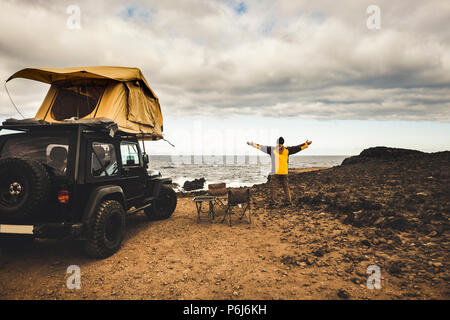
{"x":399,"y":202}
{"x":387,"y":207}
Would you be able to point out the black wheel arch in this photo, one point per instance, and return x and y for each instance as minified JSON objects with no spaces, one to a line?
{"x":100,"y":194}
{"x":157,"y":183}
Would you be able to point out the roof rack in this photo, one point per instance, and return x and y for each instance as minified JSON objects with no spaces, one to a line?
{"x":96,"y":124}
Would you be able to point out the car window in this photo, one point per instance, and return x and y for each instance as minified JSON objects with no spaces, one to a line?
{"x":130,"y":154}
{"x":56,"y":155}
{"x":103,"y":160}
{"x":48,"y":150}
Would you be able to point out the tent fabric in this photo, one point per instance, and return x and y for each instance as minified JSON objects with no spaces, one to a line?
{"x":141,"y":105}
{"x":52,"y":75}
{"x":117,"y":93}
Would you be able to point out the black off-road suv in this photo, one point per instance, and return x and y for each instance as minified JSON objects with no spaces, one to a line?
{"x":78,"y":179}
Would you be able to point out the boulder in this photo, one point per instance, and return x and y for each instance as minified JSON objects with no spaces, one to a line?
{"x":195,"y":184}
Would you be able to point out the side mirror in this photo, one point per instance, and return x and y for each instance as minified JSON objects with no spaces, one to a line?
{"x":145,"y":159}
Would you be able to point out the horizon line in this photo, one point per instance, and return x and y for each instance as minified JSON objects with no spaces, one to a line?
{"x":245,"y":155}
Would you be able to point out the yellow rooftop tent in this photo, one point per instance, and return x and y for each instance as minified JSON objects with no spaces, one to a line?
{"x":117,"y":93}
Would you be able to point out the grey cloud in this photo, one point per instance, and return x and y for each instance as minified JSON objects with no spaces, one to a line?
{"x":286,"y":58}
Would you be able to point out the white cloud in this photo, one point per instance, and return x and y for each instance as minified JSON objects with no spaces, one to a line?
{"x":286,"y":58}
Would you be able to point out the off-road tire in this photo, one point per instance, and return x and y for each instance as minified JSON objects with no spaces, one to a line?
{"x":35,"y":184}
{"x":163,"y":207}
{"x":107,"y":230}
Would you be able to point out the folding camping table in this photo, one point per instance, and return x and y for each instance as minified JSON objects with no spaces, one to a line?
{"x":198,"y":203}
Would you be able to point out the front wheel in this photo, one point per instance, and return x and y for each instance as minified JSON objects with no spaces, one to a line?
{"x":107,"y":230}
{"x":164,"y":206}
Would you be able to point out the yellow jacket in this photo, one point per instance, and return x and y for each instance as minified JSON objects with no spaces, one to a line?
{"x":280,"y":156}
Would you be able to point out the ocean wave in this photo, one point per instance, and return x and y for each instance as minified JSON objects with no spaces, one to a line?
{"x":234,"y":175}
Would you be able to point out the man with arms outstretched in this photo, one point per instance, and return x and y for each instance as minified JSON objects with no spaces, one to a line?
{"x":280,"y":159}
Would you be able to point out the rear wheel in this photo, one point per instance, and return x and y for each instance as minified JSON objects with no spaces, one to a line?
{"x":164,"y":206}
{"x":107,"y":230}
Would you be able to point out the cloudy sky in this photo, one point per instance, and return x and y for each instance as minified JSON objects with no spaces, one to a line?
{"x":231,"y":71}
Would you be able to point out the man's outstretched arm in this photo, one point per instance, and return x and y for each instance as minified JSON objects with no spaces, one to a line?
{"x":300,"y":147}
{"x":265,"y":149}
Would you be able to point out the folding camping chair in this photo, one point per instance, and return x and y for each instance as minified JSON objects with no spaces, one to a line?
{"x":219,"y":191}
{"x":241,"y":198}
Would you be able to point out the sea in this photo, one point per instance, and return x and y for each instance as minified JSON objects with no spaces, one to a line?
{"x":235,"y":171}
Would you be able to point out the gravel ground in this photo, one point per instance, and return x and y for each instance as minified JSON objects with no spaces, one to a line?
{"x":313,"y":250}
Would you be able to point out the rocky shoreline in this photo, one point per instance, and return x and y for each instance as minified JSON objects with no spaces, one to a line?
{"x":399,"y":189}
{"x":405,"y":192}
{"x":399,"y":201}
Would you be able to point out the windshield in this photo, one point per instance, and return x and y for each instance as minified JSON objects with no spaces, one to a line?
{"x":50,"y":151}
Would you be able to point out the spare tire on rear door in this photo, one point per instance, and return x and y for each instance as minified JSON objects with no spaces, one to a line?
{"x":24,"y":188}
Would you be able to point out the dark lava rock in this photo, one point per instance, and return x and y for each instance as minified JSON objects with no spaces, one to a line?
{"x":194,"y":185}
{"x":399,"y":223}
{"x":365,"y":243}
{"x":320,"y":252}
{"x":383,"y":153}
{"x":398,"y":190}
{"x":289,"y":260}
{"x":343,"y":294}
{"x":386,"y":152}
{"x":395,"y":268}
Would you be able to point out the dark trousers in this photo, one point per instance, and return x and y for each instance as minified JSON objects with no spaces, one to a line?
{"x":278,"y":182}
